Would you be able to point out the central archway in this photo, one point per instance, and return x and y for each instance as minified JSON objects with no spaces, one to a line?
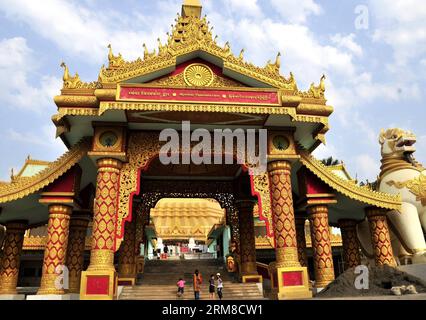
{"x":143,"y":151}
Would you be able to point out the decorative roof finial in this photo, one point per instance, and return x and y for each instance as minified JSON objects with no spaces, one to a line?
{"x":12,"y":174}
{"x":69,"y":81}
{"x":147,"y":54}
{"x":278,"y":60}
{"x":241,"y":57}
{"x":114,"y":61}
{"x":274,"y":67}
{"x":191,"y":8}
{"x":318,"y":91}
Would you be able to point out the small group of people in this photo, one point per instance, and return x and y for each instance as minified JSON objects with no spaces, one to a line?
{"x":213,"y":287}
{"x":198,"y":281}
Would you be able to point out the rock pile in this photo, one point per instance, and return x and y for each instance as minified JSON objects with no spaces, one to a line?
{"x":381,"y":281}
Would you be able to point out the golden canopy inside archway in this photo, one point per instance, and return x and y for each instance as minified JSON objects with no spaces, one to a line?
{"x":186,"y":218}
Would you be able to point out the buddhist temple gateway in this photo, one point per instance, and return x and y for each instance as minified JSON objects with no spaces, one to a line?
{"x":109,"y":205}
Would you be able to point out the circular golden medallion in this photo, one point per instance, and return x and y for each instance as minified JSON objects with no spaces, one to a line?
{"x":280,"y":143}
{"x":198,"y":75}
{"x":108,"y":139}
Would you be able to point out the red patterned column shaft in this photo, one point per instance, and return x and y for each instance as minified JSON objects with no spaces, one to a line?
{"x":321,"y":245}
{"x":127,"y":252}
{"x":283,"y":214}
{"x":301,"y":241}
{"x":9,"y":268}
{"x":380,"y":236}
{"x":56,"y":249}
{"x":247,"y":240}
{"x":105,"y":215}
{"x":351,"y":248}
{"x":75,"y":252}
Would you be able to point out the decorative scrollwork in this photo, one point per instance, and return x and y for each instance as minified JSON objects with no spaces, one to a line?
{"x":144,"y":147}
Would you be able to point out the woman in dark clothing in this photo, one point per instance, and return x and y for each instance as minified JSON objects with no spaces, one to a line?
{"x":211,"y":287}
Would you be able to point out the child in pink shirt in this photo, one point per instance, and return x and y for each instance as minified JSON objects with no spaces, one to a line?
{"x":181,"y":286}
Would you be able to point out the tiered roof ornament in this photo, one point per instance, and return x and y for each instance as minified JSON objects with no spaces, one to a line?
{"x":190,"y":33}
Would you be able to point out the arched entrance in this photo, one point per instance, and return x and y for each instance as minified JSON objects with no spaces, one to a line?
{"x":230,"y":185}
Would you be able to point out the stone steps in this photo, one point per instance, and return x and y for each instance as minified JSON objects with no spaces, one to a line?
{"x":160,"y":277}
{"x":231,"y":291}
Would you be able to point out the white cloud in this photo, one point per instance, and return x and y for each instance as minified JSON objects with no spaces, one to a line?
{"x":367,"y":167}
{"x":45,"y":137}
{"x":347,"y":42}
{"x":296,"y":11}
{"x":78,"y":30}
{"x":325,"y":151}
{"x":402,"y":26}
{"x":244,"y":7}
{"x":16,"y":66}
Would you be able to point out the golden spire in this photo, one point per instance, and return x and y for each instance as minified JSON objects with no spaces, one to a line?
{"x":191,"y":8}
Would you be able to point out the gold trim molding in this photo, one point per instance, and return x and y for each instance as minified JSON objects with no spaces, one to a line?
{"x":22,"y":187}
{"x":348,"y":188}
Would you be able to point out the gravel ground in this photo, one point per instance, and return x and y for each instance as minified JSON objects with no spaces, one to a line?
{"x":381,"y":280}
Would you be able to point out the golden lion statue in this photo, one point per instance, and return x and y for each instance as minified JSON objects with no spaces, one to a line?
{"x":402,"y":174}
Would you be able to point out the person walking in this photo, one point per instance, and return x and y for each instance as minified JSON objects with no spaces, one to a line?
{"x":181,"y":287}
{"x":211,"y":287}
{"x":219,"y":286}
{"x":198,"y":280}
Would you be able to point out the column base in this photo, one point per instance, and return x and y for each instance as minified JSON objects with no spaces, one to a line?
{"x":49,"y":297}
{"x":293,"y":283}
{"x":251,"y":278}
{"x":99,"y":285}
{"x":12,"y":297}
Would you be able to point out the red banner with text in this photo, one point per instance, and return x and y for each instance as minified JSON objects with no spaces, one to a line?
{"x":182,"y":95}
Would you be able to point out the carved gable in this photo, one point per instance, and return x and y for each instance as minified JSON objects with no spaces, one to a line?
{"x":197,"y":73}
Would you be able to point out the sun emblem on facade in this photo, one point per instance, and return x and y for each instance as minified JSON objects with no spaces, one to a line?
{"x":198,"y":75}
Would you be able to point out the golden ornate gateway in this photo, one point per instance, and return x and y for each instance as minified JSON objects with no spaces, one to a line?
{"x":112,"y":170}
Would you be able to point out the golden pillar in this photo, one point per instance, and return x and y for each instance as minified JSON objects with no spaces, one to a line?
{"x":301,"y":241}
{"x":321,"y":245}
{"x":100,"y":279}
{"x":351,"y":248}
{"x":283,"y":214}
{"x":75,"y":252}
{"x":380,"y":236}
{"x":248,"y":266}
{"x":9,"y":268}
{"x":290,"y":277}
{"x":127,"y":254}
{"x":56,"y":250}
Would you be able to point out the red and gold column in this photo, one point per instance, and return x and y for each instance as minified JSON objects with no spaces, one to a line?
{"x":248,"y":268}
{"x":380,"y":236}
{"x":351,"y":248}
{"x":75,"y":252}
{"x":56,"y":250}
{"x":127,"y":256}
{"x":100,"y":280}
{"x":9,"y":268}
{"x":301,"y":241}
{"x":321,"y":245}
{"x":291,"y":277}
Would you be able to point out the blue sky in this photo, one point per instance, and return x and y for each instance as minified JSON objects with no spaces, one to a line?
{"x":375,"y":75}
